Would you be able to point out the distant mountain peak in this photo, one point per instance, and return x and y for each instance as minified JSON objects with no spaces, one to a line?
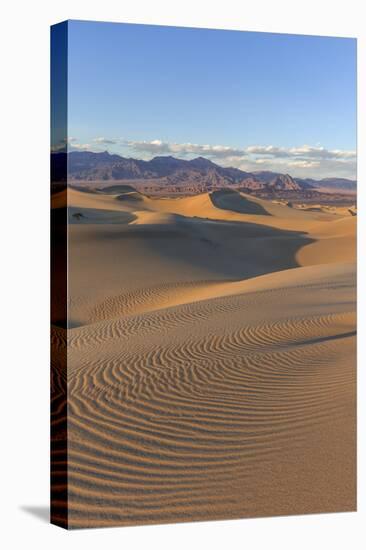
{"x":197,"y":175}
{"x":284,"y":182}
{"x":163,"y":158}
{"x":202,"y":162}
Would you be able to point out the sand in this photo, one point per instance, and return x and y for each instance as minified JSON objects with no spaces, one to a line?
{"x":211,"y":359}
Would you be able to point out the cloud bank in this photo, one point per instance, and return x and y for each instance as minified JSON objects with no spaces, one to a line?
{"x":304,"y":161}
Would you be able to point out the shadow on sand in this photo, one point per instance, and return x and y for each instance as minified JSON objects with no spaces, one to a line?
{"x":229,"y":199}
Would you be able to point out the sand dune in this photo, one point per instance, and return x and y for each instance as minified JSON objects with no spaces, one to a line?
{"x":332,"y":242}
{"x":211,"y":359}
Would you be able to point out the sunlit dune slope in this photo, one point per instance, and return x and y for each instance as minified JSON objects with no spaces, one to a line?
{"x":130,"y":242}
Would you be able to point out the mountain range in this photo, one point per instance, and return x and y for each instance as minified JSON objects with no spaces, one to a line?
{"x":199,"y":174}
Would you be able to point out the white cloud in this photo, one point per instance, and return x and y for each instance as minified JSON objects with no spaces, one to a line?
{"x":81,"y":146}
{"x":305,"y":151}
{"x":106,"y":141}
{"x":266,"y":150}
{"x":62,"y":145}
{"x":159,"y":147}
{"x":304,"y":163}
{"x":321,"y":152}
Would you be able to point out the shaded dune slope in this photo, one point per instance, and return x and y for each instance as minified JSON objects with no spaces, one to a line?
{"x":237,"y":202}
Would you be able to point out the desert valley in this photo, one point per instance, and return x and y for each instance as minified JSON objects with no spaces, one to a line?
{"x":211,"y":335}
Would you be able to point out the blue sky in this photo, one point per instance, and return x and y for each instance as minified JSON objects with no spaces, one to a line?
{"x":252,"y":100}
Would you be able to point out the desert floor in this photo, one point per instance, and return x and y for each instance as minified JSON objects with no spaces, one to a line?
{"x":211,"y":358}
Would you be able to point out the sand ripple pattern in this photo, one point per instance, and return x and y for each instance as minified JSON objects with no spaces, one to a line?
{"x":211,"y":409}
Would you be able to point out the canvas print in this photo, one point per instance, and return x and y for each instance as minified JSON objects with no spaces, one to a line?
{"x":203,"y":262}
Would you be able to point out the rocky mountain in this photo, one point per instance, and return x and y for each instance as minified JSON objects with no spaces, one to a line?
{"x":284,"y":182}
{"x":168,"y":172}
